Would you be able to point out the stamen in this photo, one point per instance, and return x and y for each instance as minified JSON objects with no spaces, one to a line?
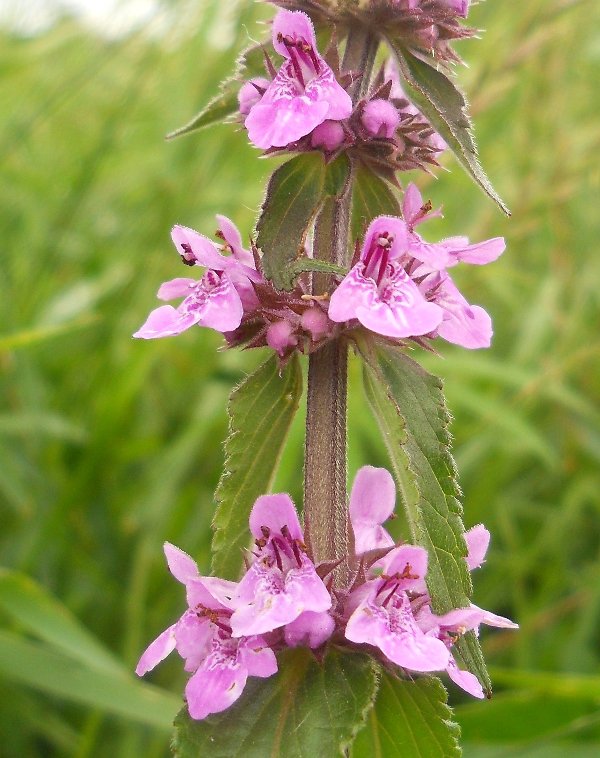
{"x":266,"y":531}
{"x":383,"y":265}
{"x":277,"y":555}
{"x":187,"y":256}
{"x":390,"y":596}
{"x":296,"y":551}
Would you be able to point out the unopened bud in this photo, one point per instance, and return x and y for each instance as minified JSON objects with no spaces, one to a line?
{"x":380,"y":118}
{"x":315,"y":322}
{"x":250,"y":93}
{"x":329,"y":135}
{"x":280,"y":336}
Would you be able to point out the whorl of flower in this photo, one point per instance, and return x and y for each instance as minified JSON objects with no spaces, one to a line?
{"x":303,"y":94}
{"x":400,"y":286}
{"x":232,"y":630}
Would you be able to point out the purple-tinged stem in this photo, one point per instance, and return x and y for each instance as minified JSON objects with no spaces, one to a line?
{"x":326,"y":523}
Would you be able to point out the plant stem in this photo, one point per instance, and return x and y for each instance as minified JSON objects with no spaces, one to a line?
{"x":326,"y":524}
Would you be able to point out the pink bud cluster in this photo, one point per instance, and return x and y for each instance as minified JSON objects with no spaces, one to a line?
{"x":233,"y":630}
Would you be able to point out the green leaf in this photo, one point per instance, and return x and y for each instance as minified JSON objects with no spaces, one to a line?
{"x":294,"y":195}
{"x":225,"y":103}
{"x":315,"y":264}
{"x":409,"y":406}
{"x":409,"y":719}
{"x":307,"y":709}
{"x":44,"y":669}
{"x":371,"y":197}
{"x":261,"y":410}
{"x":30,"y":605}
{"x":445,"y":106}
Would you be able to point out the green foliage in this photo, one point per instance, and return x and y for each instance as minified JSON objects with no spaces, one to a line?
{"x":409,"y":719}
{"x":294,"y":195}
{"x":445,"y":106}
{"x":371,"y":197}
{"x":261,"y":411}
{"x":109,"y":446}
{"x":409,"y":406}
{"x":308,"y":709}
{"x":224,"y":105}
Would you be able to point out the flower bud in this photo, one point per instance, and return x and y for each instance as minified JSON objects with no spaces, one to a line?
{"x":251,"y":92}
{"x":280,"y":336}
{"x":329,"y":135}
{"x":315,"y":322}
{"x":380,"y":118}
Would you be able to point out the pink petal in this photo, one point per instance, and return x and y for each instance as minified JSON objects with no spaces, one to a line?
{"x":309,"y":629}
{"x":372,"y":502}
{"x":223,"y":309}
{"x":174,"y":288}
{"x":294,"y":24}
{"x":463,"y":324}
{"x":216,"y":685}
{"x":387,"y":225}
{"x":257,"y":657}
{"x":400,"y":310}
{"x":478,"y":540}
{"x":156,"y":651}
{"x":480,"y":253}
{"x":204,"y":250}
{"x":406,"y":559}
{"x":464,"y":679}
{"x":413,"y":207}
{"x":276,"y":124}
{"x":193,"y":636}
{"x":180,"y":564}
{"x":274,"y":512}
{"x":325,"y":88}
{"x":234,"y":239}
{"x":165,"y":321}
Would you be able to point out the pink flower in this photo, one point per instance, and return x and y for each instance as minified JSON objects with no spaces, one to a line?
{"x":303,"y":94}
{"x":372,"y":502}
{"x":455,"y":623}
{"x":219,"y":663}
{"x":329,"y":135}
{"x":379,"y":292}
{"x":216,"y":300}
{"x":384,"y":616}
{"x":282,"y":582}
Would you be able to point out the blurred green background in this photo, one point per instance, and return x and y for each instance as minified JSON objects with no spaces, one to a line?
{"x":108,"y":446}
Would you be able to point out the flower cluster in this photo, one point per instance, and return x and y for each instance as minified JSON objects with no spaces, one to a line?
{"x":399,"y":287}
{"x":232,"y":630}
{"x":305,"y":107}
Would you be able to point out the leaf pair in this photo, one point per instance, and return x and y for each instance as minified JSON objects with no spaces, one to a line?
{"x":341,"y":707}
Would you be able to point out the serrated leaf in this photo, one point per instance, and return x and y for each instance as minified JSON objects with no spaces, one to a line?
{"x":445,"y":106}
{"x":225,"y":103}
{"x":409,"y":406}
{"x":295,"y":193}
{"x":409,"y":719}
{"x":315,"y":264}
{"x":371,"y":197}
{"x":261,"y":410}
{"x":307,"y":709}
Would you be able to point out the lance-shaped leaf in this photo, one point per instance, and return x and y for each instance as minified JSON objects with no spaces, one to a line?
{"x":440,"y":100}
{"x":295,"y":193}
{"x":250,"y":63}
{"x":371,"y":197}
{"x":409,"y":719}
{"x":261,"y":410}
{"x":307,"y":709}
{"x":408,"y":404}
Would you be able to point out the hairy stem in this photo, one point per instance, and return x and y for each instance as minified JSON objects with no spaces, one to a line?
{"x":326,"y":522}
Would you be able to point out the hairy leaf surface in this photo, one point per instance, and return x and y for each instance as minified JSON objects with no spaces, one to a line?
{"x":371,"y":197}
{"x":409,"y":719}
{"x":261,"y":410}
{"x":445,"y":106}
{"x":307,"y":709}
